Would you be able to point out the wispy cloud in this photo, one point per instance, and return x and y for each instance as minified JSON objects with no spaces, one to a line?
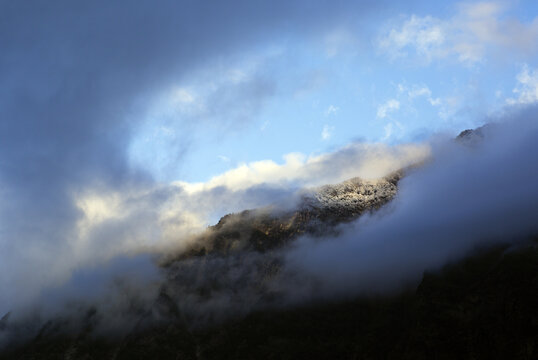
{"x":527,"y":87}
{"x":475,"y":30}
{"x":331,"y":110}
{"x":206,"y":99}
{"x":388,"y":131}
{"x":327,"y":131}
{"x":388,"y":107}
{"x":214,"y":101}
{"x":423,"y":34}
{"x":417,"y":91}
{"x":265,"y":124}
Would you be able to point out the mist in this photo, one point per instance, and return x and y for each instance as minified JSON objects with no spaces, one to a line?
{"x":472,"y":194}
{"x":83,"y":226}
{"x":77,"y":82}
{"x":460,"y":196}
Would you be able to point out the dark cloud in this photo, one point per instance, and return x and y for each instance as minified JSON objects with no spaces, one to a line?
{"x":75,"y":79}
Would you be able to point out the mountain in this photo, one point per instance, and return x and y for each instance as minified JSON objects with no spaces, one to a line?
{"x":481,"y":308}
{"x":317,"y":211}
{"x":221,"y":298}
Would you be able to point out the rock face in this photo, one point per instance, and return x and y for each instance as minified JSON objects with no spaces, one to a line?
{"x":3,"y":321}
{"x":348,"y":200}
{"x":239,"y":261}
{"x":472,"y":137}
{"x":318,"y":211}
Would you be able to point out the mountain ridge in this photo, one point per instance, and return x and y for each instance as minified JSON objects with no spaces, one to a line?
{"x":218,"y":299}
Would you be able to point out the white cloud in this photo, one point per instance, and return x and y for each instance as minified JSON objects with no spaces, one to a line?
{"x":265,"y":124}
{"x":388,"y":131}
{"x":167,"y":215}
{"x":223,"y":158}
{"x":406,"y":99}
{"x":469,"y":35}
{"x":450,"y":106}
{"x":419,"y":91}
{"x":435,"y":102}
{"x":390,"y":128}
{"x":388,"y":107}
{"x":368,"y":161}
{"x":527,"y":87}
{"x":424,"y":34}
{"x":327,"y":131}
{"x":182,"y":96}
{"x":331,"y":110}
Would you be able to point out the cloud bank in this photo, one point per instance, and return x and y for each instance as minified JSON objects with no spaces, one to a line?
{"x":469,"y":196}
{"x":76,"y":81}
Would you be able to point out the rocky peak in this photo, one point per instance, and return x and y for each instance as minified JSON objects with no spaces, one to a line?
{"x":318,"y":210}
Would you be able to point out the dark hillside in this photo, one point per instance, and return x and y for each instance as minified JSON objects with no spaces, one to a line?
{"x":481,"y":308}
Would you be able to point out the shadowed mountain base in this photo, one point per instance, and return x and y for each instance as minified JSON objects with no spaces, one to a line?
{"x":481,"y":308}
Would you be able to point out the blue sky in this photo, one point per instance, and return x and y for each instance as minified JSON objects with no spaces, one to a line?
{"x":395,"y":76}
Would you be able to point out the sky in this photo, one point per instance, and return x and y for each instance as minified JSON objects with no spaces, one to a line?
{"x":394,"y":75}
{"x":125,"y":126}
